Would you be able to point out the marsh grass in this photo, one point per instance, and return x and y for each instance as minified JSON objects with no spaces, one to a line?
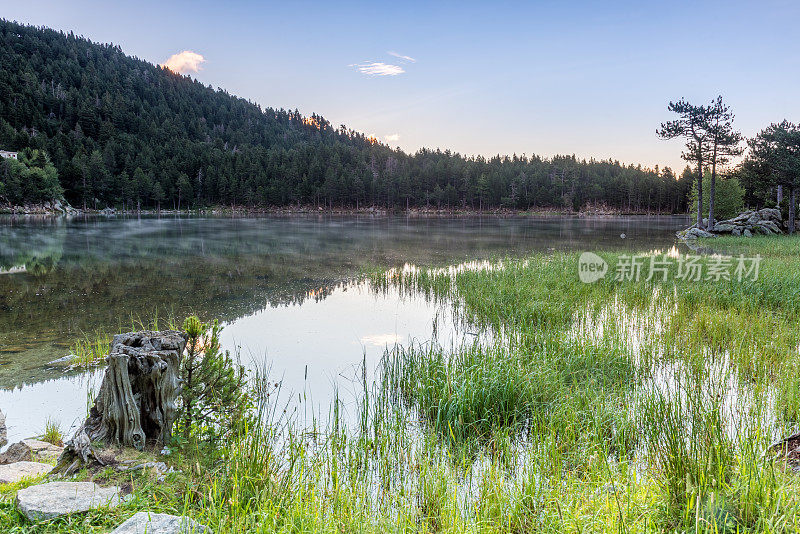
{"x":52,"y":433}
{"x":611,"y":407}
{"x":92,"y":349}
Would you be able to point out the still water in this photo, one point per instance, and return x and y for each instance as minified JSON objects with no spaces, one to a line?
{"x":289,"y":291}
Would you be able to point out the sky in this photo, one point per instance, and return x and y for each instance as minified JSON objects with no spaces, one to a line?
{"x":541,"y":77}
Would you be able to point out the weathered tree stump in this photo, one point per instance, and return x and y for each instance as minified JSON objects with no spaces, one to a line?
{"x":137,"y":401}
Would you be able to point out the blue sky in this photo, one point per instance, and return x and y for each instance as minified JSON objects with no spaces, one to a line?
{"x":584,"y":78}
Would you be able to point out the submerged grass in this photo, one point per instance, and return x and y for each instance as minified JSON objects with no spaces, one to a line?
{"x":610,"y":407}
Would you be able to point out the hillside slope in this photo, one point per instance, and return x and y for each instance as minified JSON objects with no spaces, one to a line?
{"x":124,"y":132}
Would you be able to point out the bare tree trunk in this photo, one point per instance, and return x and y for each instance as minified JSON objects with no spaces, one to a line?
{"x":792,"y":208}
{"x":711,"y":193}
{"x":137,"y":402}
{"x":700,"y":193}
{"x":780,"y":195}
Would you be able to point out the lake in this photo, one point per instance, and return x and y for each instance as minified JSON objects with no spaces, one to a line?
{"x":289,"y":291}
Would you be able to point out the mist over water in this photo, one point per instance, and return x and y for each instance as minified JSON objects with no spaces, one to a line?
{"x":289,"y":291}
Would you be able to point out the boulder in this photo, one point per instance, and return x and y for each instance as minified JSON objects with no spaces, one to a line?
{"x":773,"y":228}
{"x":770,"y":214}
{"x":54,"y":499}
{"x":737,"y":231}
{"x":3,"y":430}
{"x":30,"y":449}
{"x":742,"y":217}
{"x":694,"y":233}
{"x":747,"y":233}
{"x":150,"y":523}
{"x":753,"y":219}
{"x":15,"y":472}
{"x":723,"y":228}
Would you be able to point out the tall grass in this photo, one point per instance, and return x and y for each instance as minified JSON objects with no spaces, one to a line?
{"x":612,"y":407}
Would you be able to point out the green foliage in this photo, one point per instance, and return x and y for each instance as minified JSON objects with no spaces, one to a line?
{"x":729,"y":197}
{"x":214,"y":399}
{"x":52,"y":433}
{"x":31,"y":179}
{"x":125,"y":132}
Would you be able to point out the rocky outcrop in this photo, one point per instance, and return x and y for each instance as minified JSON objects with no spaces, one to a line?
{"x":15,"y":472}
{"x":54,"y":499}
{"x":31,"y":450}
{"x":767,"y":221}
{"x":50,"y":207}
{"x":137,"y":402}
{"x":150,"y":523}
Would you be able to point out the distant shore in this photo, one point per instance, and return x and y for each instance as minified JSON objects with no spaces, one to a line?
{"x":48,"y":210}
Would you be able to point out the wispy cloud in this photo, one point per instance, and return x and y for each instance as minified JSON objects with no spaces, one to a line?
{"x":373,"y":68}
{"x":401,"y":56}
{"x":392,"y":137}
{"x":184,"y":62}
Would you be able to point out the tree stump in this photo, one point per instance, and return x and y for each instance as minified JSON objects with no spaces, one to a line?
{"x":137,"y":401}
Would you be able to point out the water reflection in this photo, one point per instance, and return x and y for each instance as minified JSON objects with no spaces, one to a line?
{"x":284,"y":287}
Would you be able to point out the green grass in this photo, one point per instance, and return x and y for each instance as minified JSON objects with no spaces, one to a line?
{"x":52,"y":433}
{"x":93,"y":348}
{"x":610,"y":407}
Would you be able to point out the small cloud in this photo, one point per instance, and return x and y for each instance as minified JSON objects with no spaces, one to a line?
{"x":185,"y":62}
{"x":392,"y":137}
{"x":378,"y":69}
{"x":401,"y":56}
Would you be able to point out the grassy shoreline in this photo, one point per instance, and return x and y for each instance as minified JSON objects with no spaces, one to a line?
{"x":605,"y":407}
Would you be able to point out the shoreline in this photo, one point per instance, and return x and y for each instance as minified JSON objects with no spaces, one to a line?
{"x":44,"y":211}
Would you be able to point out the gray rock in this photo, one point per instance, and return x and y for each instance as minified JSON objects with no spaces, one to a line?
{"x":30,"y":449}
{"x":694,"y":233}
{"x":747,"y":233}
{"x":770,"y":214}
{"x":724,"y":228}
{"x":737,"y":231}
{"x":3,"y":430}
{"x":742,"y":217}
{"x":150,"y":523}
{"x":54,"y":499}
{"x":15,"y":472}
{"x":64,"y":359}
{"x":761,"y":229}
{"x":773,"y":228}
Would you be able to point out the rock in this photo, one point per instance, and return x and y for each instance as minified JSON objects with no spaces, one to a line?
{"x":773,"y":228}
{"x":64,"y":359}
{"x":3,"y":430}
{"x":54,"y":499}
{"x":15,"y":472}
{"x":694,"y":233}
{"x":30,"y":449}
{"x":724,"y":228}
{"x":770,"y":214}
{"x":747,"y":233}
{"x":736,"y":231}
{"x":159,"y":467}
{"x":150,"y":523}
{"x":742,"y":217}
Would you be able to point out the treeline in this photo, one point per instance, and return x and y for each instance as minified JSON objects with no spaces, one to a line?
{"x":30,"y":178}
{"x":123,"y":132}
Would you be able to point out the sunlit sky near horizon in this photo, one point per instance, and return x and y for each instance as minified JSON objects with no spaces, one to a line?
{"x":586,"y":78}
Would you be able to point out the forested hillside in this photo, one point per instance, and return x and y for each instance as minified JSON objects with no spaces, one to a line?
{"x":127,"y":133}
